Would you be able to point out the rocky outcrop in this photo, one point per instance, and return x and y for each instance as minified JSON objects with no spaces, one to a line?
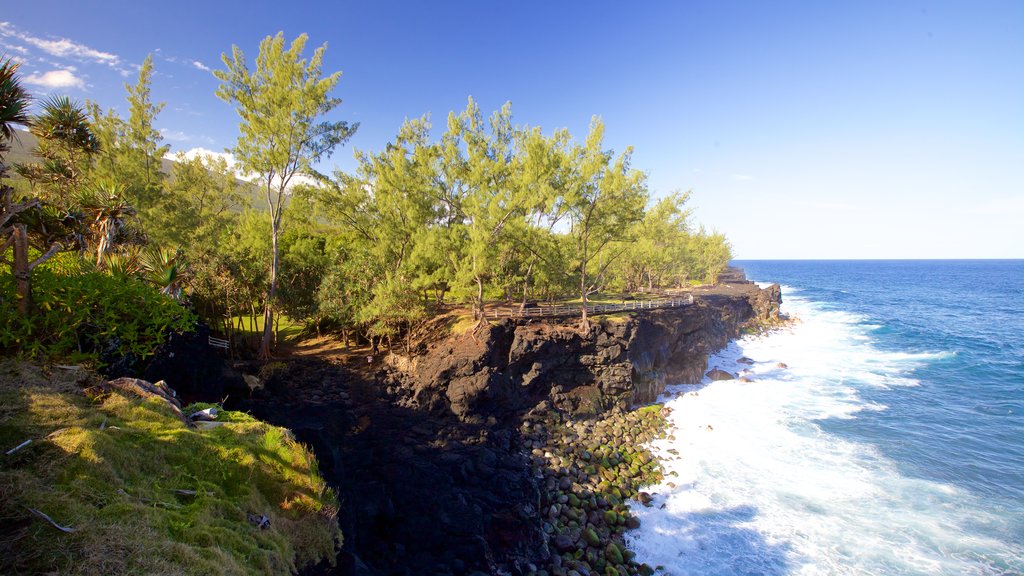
{"x":498,"y":371}
{"x":420,"y":494}
{"x":434,"y":455}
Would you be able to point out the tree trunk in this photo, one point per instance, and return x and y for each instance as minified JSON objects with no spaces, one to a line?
{"x":480,"y":299}
{"x":526,"y":287}
{"x":268,"y":309}
{"x":22,"y":275}
{"x":584,"y":322}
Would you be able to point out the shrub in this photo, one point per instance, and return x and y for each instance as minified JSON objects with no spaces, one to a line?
{"x":80,"y":314}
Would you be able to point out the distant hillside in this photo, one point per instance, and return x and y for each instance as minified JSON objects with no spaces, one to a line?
{"x":24,"y":143}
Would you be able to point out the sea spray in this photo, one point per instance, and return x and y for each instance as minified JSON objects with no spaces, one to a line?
{"x":761,"y":485}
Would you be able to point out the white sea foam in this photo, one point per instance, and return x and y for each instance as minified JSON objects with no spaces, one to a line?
{"x":760,"y":487}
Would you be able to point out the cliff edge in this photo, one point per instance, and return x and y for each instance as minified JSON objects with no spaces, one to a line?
{"x":496,"y":372}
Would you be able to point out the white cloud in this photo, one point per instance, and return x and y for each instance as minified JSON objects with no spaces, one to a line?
{"x":200,"y":151}
{"x":65,"y":48}
{"x":200,"y":66}
{"x":57,"y":79}
{"x":742,"y":177}
{"x":62,"y":48}
{"x":233,"y":165}
{"x":14,"y":48}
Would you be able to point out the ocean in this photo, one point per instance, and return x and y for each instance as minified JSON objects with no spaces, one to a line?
{"x":882,"y":433}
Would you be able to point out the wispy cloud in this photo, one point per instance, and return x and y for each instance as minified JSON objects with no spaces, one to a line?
{"x":174,"y":135}
{"x":742,"y":177}
{"x":179,"y":136}
{"x":159,"y":53}
{"x":60,"y":48}
{"x":56,"y":79}
{"x":8,"y":47}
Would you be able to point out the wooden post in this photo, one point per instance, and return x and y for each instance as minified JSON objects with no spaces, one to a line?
{"x":22,"y":276}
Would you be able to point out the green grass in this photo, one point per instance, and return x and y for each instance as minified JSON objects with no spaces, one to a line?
{"x":289,"y":330}
{"x":110,"y":467}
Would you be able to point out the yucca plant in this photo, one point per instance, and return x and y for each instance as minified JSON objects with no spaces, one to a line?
{"x":108,"y":216}
{"x":166,"y":269}
{"x":14,"y":103}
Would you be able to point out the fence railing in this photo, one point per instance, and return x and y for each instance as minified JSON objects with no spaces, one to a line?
{"x":219,"y":343}
{"x":576,"y":310}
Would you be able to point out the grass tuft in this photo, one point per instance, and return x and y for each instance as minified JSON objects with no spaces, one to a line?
{"x":143,"y":493}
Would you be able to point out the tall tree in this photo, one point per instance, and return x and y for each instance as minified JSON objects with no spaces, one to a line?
{"x":131,"y":152}
{"x":142,"y":140}
{"x":605,"y":199}
{"x":493,"y":197}
{"x":281,"y":105}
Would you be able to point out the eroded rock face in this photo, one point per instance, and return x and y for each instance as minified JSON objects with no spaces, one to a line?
{"x":501,"y":370}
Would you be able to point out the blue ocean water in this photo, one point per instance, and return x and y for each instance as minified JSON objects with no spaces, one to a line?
{"x":890,"y":439}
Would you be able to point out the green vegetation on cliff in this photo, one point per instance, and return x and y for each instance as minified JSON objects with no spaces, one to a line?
{"x":144,"y":493}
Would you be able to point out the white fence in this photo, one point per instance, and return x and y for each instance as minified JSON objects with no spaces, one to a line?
{"x":576,"y":310}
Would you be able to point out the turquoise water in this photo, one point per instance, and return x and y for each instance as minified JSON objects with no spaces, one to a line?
{"x":892,"y":442}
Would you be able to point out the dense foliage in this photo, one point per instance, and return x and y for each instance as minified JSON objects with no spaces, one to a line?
{"x":482,"y":210}
{"x":82,"y":314}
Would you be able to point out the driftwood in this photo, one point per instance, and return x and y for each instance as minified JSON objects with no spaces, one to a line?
{"x":19,"y":447}
{"x":67,"y":529}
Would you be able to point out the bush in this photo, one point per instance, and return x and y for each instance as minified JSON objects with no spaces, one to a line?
{"x":80,"y":314}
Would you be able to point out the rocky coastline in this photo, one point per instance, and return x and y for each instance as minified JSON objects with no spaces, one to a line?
{"x":510,"y":449}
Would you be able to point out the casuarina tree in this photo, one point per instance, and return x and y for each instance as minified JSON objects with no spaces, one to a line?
{"x":282,"y":104}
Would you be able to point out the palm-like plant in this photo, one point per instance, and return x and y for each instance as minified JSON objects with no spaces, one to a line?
{"x":167,"y":269}
{"x":109,"y":217}
{"x":14,"y":102}
{"x":66,"y":147}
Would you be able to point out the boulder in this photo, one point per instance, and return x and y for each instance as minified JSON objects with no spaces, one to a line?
{"x":719,"y":374}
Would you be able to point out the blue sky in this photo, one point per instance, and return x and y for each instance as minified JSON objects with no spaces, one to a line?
{"x":804,"y":129}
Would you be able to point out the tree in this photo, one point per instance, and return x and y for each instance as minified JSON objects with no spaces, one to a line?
{"x":710,"y":253}
{"x":199,"y":203}
{"x":658,"y":257}
{"x":51,"y":222}
{"x":131,"y":150}
{"x":280,"y":104}
{"x":605,"y":199}
{"x":14,"y":102}
{"x":493,"y":197}
{"x":66,"y":146}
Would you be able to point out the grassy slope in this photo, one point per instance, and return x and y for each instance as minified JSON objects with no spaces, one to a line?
{"x":109,"y":468}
